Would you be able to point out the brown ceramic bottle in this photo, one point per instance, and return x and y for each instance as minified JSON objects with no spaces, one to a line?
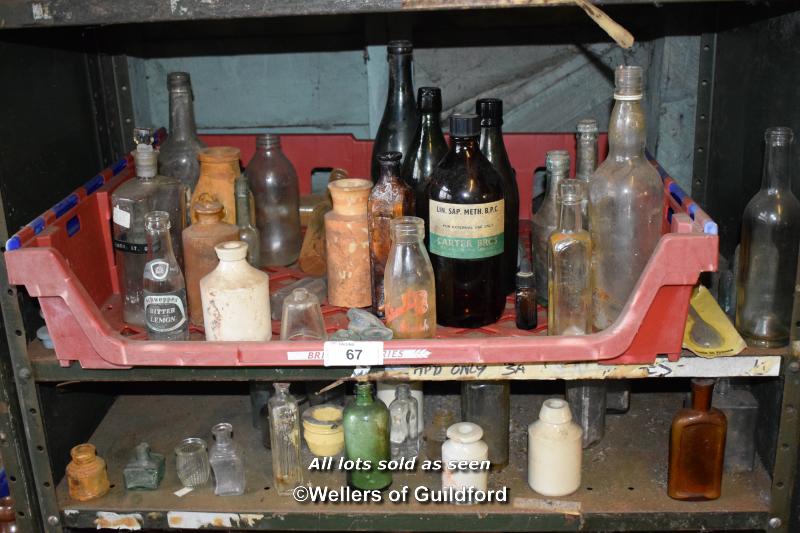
{"x":199,"y":257}
{"x":390,"y":198}
{"x":312,"y":254}
{"x":347,"y":244}
{"x":697,"y":447}
{"x":86,"y":474}
{"x":219,"y":168}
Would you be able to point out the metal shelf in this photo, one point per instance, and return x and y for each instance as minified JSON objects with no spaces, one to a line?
{"x":624,"y":479}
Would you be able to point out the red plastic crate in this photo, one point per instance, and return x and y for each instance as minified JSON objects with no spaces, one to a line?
{"x":65,"y":258}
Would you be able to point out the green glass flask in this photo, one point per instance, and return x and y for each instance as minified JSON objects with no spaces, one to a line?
{"x":366,"y":438}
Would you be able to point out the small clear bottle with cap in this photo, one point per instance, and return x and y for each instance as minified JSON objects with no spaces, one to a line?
{"x":226,"y":461}
{"x":626,"y":203}
{"x":301,"y":319}
{"x":247,"y":232}
{"x":554,"y":451}
{"x":527,"y":314}
{"x":404,"y":432}
{"x":166,"y":315}
{"x":568,"y":259}
{"x":586,"y":160}
{"x":284,"y":432}
{"x":545,"y":219}
{"x":465,"y":217}
{"x":177,"y":156}
{"x":130,"y":202}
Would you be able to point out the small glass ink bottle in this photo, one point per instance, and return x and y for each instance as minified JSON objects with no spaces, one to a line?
{"x":525,"y":301}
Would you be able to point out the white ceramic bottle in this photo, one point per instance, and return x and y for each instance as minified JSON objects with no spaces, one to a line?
{"x":464,"y":444}
{"x":554,"y":450}
{"x":235,"y":297}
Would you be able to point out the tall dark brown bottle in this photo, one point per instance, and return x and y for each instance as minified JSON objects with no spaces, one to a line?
{"x":465,"y":218}
{"x":697,"y":447}
{"x":399,"y":120}
{"x":428,"y":147}
{"x":492,"y":146}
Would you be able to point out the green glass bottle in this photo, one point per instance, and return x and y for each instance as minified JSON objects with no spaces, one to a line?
{"x":366,"y":438}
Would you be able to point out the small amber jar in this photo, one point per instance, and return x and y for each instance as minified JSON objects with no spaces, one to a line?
{"x":86,"y":474}
{"x":219,"y":168}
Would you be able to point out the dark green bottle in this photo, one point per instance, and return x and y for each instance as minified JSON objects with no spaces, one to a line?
{"x":366,"y":437}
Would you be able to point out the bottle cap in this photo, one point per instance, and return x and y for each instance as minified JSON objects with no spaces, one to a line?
{"x":525,"y":278}
{"x":429,"y":100}
{"x":385,"y":158}
{"x":465,"y":432}
{"x":177,"y":81}
{"x":555,"y":411}
{"x":144,"y":157}
{"x":231,"y":250}
{"x":587,"y":125}
{"x":400,"y":47}
{"x":557,"y":161}
{"x":628,"y":82}
{"x":464,"y":125}
{"x":491,"y":111}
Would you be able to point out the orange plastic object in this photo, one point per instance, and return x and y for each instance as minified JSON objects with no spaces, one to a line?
{"x":72,"y":272}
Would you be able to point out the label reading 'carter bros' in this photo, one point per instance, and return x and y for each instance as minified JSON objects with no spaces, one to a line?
{"x":466,"y":231}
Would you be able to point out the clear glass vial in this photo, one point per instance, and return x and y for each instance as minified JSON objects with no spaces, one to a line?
{"x":226,"y":461}
{"x":404,"y":433}
{"x":284,"y":423}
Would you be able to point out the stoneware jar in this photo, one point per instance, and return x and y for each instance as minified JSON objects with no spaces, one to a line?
{"x":86,"y":474}
{"x":219,"y":168}
{"x":554,"y":450}
{"x":347,"y":244}
{"x":235,"y":297}
{"x":323,"y":429}
{"x":464,"y":444}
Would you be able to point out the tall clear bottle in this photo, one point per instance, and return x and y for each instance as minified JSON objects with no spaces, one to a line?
{"x":390,"y":198}
{"x":428,"y":147}
{"x":492,"y":146}
{"x":226,"y":461}
{"x":399,"y":121}
{"x":276,"y":193}
{"x":569,"y":263}
{"x":284,"y":425}
{"x":465,"y":215}
{"x":626,"y":202}
{"x":247,"y":232}
{"x":404,"y":433}
{"x":130,"y":202}
{"x":166,"y":315}
{"x":586,"y":160}
{"x":178,"y":154}
{"x":545,"y":219}
{"x":409,"y":284}
{"x":487,"y":404}
{"x":769,"y":248}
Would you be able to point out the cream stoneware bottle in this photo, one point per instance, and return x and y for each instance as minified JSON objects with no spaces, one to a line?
{"x":554,"y":450}
{"x":464,"y":444}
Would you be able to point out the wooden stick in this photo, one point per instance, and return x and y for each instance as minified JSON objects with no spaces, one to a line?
{"x":622,"y":36}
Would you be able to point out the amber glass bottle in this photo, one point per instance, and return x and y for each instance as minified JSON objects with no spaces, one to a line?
{"x":465,"y":217}
{"x":390,"y":198}
{"x":697,"y":447}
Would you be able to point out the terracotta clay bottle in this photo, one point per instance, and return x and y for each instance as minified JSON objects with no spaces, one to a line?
{"x":86,"y":474}
{"x":312,"y":259}
{"x":219,"y":168}
{"x":199,"y":257}
{"x":347,"y":244}
{"x":697,"y":447}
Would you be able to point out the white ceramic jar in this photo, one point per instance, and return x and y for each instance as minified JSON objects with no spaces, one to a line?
{"x":235,"y":297}
{"x":385,"y":393}
{"x":554,"y":450}
{"x":464,"y":444}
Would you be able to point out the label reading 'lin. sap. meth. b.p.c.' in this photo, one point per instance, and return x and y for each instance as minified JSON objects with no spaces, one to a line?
{"x":466,"y":231}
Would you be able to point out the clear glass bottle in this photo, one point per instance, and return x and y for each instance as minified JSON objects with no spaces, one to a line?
{"x":488,"y":404}
{"x":545,"y":219}
{"x":626,"y":203}
{"x":428,"y":147}
{"x":145,"y":470}
{"x":527,"y":314}
{"x":390,"y":198}
{"x":586,"y":161}
{"x":247,"y":232}
{"x":284,"y":427}
{"x":366,"y":437}
{"x":587,"y":399}
{"x":569,"y":254}
{"x":399,"y":121}
{"x":301,"y":319}
{"x":226,"y":461}
{"x":409,"y":284}
{"x":276,"y":193}
{"x":177,"y":156}
{"x":404,"y":433}
{"x":741,"y":412}
{"x":436,"y":433}
{"x":769,"y":249}
{"x":492,"y":146}
{"x":465,"y":215}
{"x":165,"y":312}
{"x":130,"y":202}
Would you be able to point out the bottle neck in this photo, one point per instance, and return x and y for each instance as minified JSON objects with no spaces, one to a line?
{"x":389,"y":172}
{"x":776,"y":166}
{"x":627,"y":130}
{"x":181,"y":115}
{"x":159,"y":245}
{"x":466,"y":147}
{"x":554,"y":179}
{"x":571,"y":218}
{"x":270,"y":146}
{"x":209,"y":218}
{"x":222,"y":437}
{"x":401,"y":89}
{"x":430,"y":124}
{"x":586,"y":156}
{"x":363,"y":394}
{"x":701,"y":394}
{"x":242,"y":210}
{"x":491,"y":142}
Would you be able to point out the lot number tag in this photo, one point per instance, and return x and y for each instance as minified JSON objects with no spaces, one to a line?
{"x":353,"y":353}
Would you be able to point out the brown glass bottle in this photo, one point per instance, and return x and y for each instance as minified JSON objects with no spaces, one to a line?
{"x":465,"y":218}
{"x":697,"y":447}
{"x":390,"y":198}
{"x":199,"y":256}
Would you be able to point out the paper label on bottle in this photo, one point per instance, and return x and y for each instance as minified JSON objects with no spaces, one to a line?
{"x":165,"y":312}
{"x":466,"y":231}
{"x":130,"y":247}
{"x":353,"y":353}
{"x":121,"y":217}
